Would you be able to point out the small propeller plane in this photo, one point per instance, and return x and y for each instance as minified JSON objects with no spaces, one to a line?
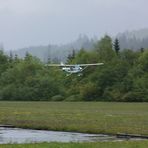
{"x":74,"y":68}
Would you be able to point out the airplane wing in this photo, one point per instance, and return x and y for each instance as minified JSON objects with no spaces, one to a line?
{"x":72,"y":65}
{"x":93,"y":64}
{"x":54,"y":65}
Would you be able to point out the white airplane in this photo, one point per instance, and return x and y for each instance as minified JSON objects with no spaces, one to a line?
{"x":74,"y":68}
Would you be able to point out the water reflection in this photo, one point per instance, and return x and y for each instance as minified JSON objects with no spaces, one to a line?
{"x":17,"y":135}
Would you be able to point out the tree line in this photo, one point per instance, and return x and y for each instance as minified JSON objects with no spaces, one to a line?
{"x":123,"y":77}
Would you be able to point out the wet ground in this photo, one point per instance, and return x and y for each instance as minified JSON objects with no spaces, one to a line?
{"x":17,"y":135}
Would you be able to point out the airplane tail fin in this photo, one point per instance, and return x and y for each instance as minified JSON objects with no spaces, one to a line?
{"x":62,"y":64}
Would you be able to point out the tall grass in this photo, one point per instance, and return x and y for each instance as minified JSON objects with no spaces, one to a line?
{"x":133,"y":144}
{"x":91,"y":117}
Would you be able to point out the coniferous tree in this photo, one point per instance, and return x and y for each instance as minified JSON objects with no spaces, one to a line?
{"x":116,"y":46}
{"x":3,"y":62}
{"x":10,"y":57}
{"x":142,"y":49}
{"x":16,"y":59}
{"x":71,"y":56}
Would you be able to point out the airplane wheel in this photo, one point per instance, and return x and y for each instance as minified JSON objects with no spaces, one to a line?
{"x":80,"y":74}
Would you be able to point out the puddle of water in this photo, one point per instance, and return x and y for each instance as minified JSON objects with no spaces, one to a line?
{"x":17,"y":135}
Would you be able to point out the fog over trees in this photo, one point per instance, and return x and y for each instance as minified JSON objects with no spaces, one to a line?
{"x":134,"y":40}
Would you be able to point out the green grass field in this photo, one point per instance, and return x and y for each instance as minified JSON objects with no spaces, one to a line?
{"x":91,"y":117}
{"x":133,"y":144}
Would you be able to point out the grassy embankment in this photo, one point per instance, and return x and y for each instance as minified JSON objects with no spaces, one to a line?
{"x":92,"y":117}
{"x":133,"y":144}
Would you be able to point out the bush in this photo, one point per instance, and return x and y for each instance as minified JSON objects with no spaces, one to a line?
{"x":73,"y":98}
{"x":57,"y":98}
{"x":112,"y":94}
{"x":135,"y":96}
{"x":89,"y":92}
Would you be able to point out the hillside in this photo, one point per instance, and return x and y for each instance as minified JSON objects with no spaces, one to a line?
{"x":56,"y":53}
{"x":134,"y":40}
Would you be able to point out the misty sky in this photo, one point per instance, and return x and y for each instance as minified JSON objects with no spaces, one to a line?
{"x":41,"y":22}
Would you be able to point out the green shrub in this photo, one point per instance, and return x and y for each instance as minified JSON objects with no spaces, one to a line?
{"x":135,"y":96}
{"x":73,"y":98}
{"x":57,"y":98}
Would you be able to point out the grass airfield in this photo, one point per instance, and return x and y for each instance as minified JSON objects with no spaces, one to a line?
{"x":133,"y":144}
{"x":88,"y":117}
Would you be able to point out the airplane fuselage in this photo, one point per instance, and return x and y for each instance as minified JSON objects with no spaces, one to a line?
{"x":74,"y":69}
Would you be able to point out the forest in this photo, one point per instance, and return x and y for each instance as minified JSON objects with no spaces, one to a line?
{"x":122,"y":78}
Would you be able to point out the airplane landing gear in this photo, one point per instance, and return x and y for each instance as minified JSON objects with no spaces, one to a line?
{"x":80,"y":74}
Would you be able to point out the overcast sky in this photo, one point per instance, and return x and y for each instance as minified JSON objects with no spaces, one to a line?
{"x":41,"y":22}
